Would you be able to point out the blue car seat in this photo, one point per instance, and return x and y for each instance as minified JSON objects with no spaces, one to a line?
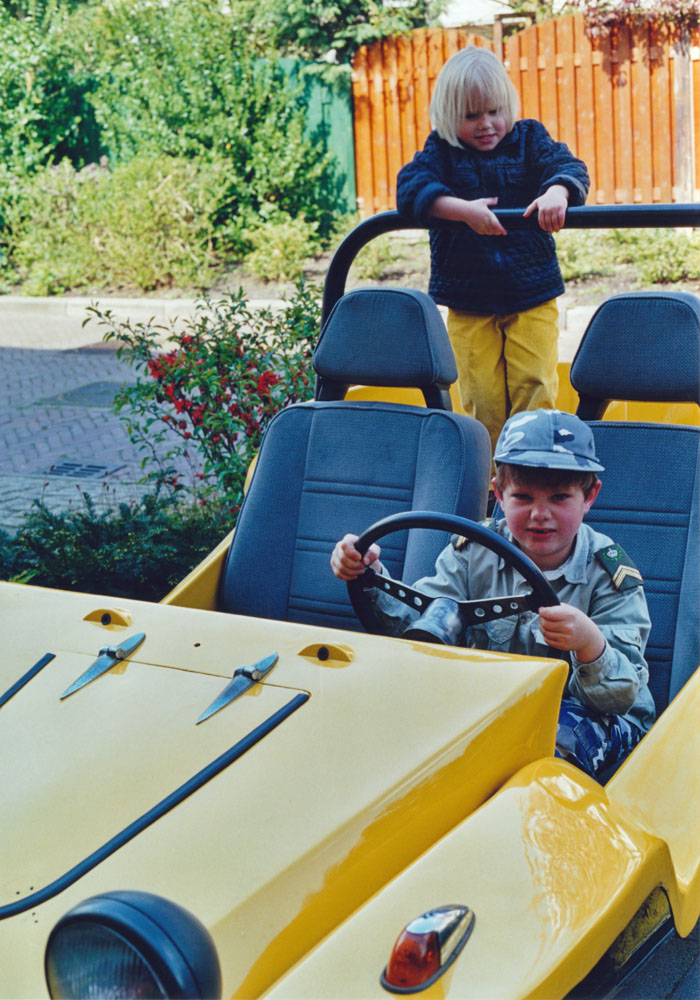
{"x":336,"y":465}
{"x":646,"y":346}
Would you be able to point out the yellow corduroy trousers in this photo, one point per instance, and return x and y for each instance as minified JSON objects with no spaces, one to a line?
{"x":506,"y":364}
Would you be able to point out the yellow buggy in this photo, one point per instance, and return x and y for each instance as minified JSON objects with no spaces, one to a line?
{"x":240,"y":792}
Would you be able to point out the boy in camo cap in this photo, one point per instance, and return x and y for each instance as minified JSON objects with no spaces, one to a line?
{"x":546,"y":482}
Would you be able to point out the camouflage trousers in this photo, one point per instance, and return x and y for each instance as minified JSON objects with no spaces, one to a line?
{"x":592,"y":741}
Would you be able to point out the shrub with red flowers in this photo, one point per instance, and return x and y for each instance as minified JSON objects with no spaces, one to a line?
{"x":207,"y":388}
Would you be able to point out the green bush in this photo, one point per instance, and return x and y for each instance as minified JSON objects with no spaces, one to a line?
{"x":180,"y":79}
{"x":657,"y":256}
{"x":671,"y":256}
{"x":45,"y":113}
{"x":140,"y":550}
{"x":584,"y":254}
{"x":280,"y":247}
{"x":151,"y":83}
{"x":147,"y":224}
{"x":201,"y":402}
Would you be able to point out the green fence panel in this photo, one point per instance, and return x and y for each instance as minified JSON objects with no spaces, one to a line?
{"x":330,"y":121}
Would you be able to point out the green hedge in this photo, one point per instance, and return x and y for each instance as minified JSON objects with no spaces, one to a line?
{"x":153,"y":88}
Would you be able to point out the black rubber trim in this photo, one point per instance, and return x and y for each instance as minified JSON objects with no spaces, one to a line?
{"x":25,"y":679}
{"x":164,"y":806}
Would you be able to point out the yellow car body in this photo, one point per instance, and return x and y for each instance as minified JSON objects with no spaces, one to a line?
{"x":388,"y":745}
{"x":363,"y":781}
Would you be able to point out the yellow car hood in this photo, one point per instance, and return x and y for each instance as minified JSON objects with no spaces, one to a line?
{"x":272,"y":820}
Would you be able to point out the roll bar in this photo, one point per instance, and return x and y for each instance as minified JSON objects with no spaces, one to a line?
{"x":584,"y":217}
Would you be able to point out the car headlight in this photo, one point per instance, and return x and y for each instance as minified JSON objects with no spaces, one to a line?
{"x":131,"y":944}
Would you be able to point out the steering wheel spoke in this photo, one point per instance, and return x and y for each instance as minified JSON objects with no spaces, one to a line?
{"x":407,"y":595}
{"x":478,"y":612}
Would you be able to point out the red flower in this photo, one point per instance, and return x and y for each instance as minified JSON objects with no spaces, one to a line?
{"x":266,"y":381}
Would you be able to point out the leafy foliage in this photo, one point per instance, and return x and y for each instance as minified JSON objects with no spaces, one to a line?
{"x":179,"y":79}
{"x":147,"y":224}
{"x":44,"y":108}
{"x":201,"y":403}
{"x":280,"y":246}
{"x":139,"y":550}
{"x":146,"y":82}
{"x":660,"y":256}
{"x":333,"y":31}
{"x":601,"y":16}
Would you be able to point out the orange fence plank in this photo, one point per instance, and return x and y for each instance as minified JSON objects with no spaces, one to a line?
{"x":641,"y":115}
{"x":451,"y":46}
{"x":363,"y":134}
{"x":378,"y":121}
{"x":695,"y":57}
{"x":404,"y":58}
{"x":681,"y":75}
{"x":566,"y":83}
{"x":622,"y":116}
{"x":584,"y":100}
{"x":394,"y":152}
{"x":436,"y":60}
{"x":511,"y":61}
{"x":662,"y":126}
{"x":422,"y":88}
{"x":531,"y":83}
{"x":547,"y":65}
{"x":604,"y":191}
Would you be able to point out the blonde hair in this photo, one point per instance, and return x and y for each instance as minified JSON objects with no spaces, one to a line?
{"x":471,"y":80}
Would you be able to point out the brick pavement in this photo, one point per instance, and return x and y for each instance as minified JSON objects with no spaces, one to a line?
{"x":58,"y":433}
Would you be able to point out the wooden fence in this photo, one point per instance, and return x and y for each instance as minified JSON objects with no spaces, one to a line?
{"x":628,"y":105}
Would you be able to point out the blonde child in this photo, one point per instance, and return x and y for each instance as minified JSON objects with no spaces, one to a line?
{"x":500,"y":287}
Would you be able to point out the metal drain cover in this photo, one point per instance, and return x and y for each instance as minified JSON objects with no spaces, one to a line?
{"x":81,"y":470}
{"x":92,"y":394}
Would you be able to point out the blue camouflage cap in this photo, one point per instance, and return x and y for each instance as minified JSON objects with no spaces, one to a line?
{"x":549,"y":439}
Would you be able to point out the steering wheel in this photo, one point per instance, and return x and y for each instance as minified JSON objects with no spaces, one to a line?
{"x":448,"y":617}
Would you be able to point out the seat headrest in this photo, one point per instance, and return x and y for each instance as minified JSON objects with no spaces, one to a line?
{"x":384,"y":337}
{"x":640,"y":346}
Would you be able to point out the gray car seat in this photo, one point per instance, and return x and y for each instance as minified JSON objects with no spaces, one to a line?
{"x":646,"y":346}
{"x":336,"y":465}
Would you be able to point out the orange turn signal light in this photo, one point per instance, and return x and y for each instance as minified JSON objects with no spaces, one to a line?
{"x":426,"y":947}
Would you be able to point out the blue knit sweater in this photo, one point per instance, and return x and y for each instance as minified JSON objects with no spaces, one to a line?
{"x":492,"y":274}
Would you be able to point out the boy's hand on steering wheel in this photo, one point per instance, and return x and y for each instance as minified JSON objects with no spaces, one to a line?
{"x":346,"y":561}
{"x":569,"y":628}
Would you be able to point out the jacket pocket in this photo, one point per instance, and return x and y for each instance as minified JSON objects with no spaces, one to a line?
{"x":497,"y":635}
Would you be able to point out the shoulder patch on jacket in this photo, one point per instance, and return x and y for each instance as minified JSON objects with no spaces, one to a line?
{"x":459,"y":541}
{"x":624,"y":574}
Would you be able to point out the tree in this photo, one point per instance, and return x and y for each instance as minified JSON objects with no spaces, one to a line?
{"x":602,"y":15}
{"x":330,"y":31}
